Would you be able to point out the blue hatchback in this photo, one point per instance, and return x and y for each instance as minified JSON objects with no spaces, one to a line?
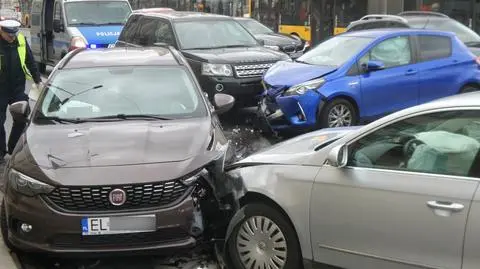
{"x":357,"y":77}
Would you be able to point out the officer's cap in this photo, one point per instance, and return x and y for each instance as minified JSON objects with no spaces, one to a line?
{"x":10,"y":26}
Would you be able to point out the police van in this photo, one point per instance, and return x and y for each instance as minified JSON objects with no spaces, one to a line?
{"x":59,"y":26}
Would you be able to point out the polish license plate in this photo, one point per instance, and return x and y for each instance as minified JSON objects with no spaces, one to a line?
{"x":118,"y":225}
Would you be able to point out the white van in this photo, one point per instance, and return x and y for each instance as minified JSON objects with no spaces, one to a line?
{"x":59,"y":26}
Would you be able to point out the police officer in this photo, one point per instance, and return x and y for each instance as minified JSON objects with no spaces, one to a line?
{"x":16,"y":66}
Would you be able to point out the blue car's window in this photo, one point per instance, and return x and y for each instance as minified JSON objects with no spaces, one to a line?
{"x":97,"y":12}
{"x":335,"y":51}
{"x":391,"y":52}
{"x":106,"y":91}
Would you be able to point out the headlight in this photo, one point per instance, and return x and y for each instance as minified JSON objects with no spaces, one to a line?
{"x":272,"y":47}
{"x":192,"y":177}
{"x":27,"y":185}
{"x":216,"y":70}
{"x":304,"y":87}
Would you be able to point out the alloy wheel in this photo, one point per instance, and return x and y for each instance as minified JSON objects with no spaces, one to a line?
{"x":340,"y":115}
{"x":261,"y":244}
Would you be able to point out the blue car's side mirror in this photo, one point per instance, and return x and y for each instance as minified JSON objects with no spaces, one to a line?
{"x":373,"y":66}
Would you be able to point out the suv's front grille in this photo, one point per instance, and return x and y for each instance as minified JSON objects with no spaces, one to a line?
{"x":252,"y":70}
{"x":96,"y":198}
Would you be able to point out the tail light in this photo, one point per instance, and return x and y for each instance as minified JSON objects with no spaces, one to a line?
{"x":76,"y":43}
{"x":477,"y":59}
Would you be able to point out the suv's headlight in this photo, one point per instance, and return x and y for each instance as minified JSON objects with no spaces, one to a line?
{"x":27,"y":185}
{"x":224,"y":70}
{"x":302,"y":88}
{"x":272,"y":47}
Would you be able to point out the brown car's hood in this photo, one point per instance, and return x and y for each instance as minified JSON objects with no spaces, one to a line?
{"x":100,"y":144}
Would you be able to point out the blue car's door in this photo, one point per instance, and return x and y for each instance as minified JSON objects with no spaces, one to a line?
{"x":396,"y":86}
{"x":439,"y":69}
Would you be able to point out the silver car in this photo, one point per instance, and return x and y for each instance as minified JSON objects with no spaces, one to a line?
{"x":401,"y":192}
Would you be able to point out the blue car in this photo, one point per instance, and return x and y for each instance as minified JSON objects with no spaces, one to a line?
{"x":358,"y":77}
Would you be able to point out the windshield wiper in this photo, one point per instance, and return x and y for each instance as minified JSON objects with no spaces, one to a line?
{"x":58,"y":119}
{"x":130,"y":116}
{"x":84,"y":23}
{"x":84,"y":91}
{"x":110,"y":23}
{"x":232,"y":46}
{"x":302,"y":62}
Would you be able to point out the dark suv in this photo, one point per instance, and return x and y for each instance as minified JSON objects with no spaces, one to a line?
{"x":224,"y":55}
{"x":420,"y":20}
{"x":119,"y":155}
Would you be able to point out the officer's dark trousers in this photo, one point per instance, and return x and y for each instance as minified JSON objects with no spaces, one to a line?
{"x":10,"y":95}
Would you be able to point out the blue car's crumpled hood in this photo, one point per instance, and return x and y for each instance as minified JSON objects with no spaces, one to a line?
{"x":287,"y":73}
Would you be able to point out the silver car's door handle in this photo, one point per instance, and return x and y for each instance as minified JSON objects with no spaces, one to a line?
{"x":445,"y":206}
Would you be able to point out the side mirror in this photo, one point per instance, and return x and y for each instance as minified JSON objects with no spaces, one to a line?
{"x":373,"y":66}
{"x":20,"y":110}
{"x":261,"y":41}
{"x":223,"y":103}
{"x":58,"y":26}
{"x":338,"y":156}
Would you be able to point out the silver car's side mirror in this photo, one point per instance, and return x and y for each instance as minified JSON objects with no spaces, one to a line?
{"x":338,"y":156}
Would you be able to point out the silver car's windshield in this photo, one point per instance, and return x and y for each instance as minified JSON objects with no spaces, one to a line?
{"x":335,"y":51}
{"x":97,"y":12}
{"x":87,"y":93}
{"x":213,"y":34}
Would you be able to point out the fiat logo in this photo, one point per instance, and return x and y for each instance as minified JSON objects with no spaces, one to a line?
{"x":117,"y":197}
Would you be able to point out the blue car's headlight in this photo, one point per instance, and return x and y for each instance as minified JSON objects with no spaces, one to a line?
{"x":224,"y":70}
{"x":302,"y":88}
{"x":27,"y":185}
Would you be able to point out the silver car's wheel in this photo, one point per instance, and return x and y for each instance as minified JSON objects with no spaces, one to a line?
{"x":261,"y":244}
{"x":340,"y":115}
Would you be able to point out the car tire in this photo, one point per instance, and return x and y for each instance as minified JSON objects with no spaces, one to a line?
{"x":4,"y":227}
{"x":338,"y":105}
{"x":272,"y":222}
{"x":469,"y":88}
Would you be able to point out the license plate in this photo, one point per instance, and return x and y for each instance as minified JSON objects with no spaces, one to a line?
{"x":118,"y":225}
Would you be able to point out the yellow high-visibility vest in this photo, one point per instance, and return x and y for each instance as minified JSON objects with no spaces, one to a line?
{"x":22,"y":54}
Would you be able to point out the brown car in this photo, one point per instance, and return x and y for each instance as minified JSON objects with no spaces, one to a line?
{"x":119,"y":155}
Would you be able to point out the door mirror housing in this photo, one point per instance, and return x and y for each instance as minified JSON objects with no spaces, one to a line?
{"x":20,"y":111}
{"x":58,"y":26}
{"x":338,"y":156}
{"x":223,"y":103}
{"x":261,"y":41}
{"x":373,"y":66}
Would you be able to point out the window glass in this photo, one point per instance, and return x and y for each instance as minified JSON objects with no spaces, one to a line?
{"x":146,"y":31}
{"x":335,"y":51}
{"x":434,"y":47}
{"x":129,"y":31}
{"x":97,"y":12}
{"x":392,"y":52}
{"x":442,"y":143}
{"x":105,"y":91}
{"x":58,"y":12}
{"x":213,"y":34}
{"x":164,"y":33}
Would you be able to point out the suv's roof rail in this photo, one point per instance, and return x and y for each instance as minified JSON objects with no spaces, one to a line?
{"x":382,"y":16}
{"x":422,"y":13}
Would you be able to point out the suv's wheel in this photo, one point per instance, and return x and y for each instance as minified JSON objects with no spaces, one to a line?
{"x":337,"y":113}
{"x":469,"y":88}
{"x":4,"y":227}
{"x":264,"y":239}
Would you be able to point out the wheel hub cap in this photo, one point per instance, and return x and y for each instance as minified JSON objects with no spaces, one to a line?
{"x":339,"y":116}
{"x":261,"y":244}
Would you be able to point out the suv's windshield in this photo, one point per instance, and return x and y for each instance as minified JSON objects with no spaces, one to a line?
{"x":87,"y":93}
{"x":213,"y":34}
{"x":335,"y":51}
{"x":464,"y":33}
{"x":97,"y":12}
{"x":255,"y":27}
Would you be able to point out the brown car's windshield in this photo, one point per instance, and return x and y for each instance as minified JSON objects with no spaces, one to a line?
{"x":86,"y":93}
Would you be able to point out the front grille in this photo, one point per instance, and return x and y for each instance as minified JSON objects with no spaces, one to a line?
{"x":96,"y":198}
{"x":289,"y":49}
{"x":252,"y":70}
{"x":118,"y":240}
